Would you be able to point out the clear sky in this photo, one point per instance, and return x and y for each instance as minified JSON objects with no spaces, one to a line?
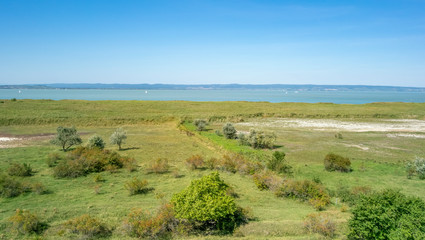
{"x":372,"y":42}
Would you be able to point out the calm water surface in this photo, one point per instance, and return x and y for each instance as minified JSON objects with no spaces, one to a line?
{"x":354,"y":97}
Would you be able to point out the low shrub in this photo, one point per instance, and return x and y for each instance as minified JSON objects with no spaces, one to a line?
{"x":96,"y":141}
{"x":195,"y":162}
{"x":229,"y":131}
{"x":351,"y":196}
{"x":258,"y":139}
{"x":200,"y":124}
{"x":20,"y":170}
{"x":334,"y":162}
{"x":130,"y":164}
{"x":143,"y":224}
{"x":266,"y":180}
{"x":237,"y":163}
{"x":320,"y":223}
{"x":160,"y":165}
{"x":388,"y":215}
{"x":87,"y":226}
{"x":11,"y":187}
{"x":38,"y":188}
{"x":137,"y":186}
{"x":212,"y":163}
{"x":98,"y":178}
{"x":25,"y":222}
{"x":82,"y":161}
{"x":305,"y":190}
{"x":416,"y":167}
{"x":53,"y":159}
{"x":278,"y":163}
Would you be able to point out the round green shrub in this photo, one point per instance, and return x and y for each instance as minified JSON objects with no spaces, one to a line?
{"x":206,"y":204}
{"x":96,"y":141}
{"x":25,"y":222}
{"x":388,"y":215}
{"x":334,"y":162}
{"x":229,"y":131}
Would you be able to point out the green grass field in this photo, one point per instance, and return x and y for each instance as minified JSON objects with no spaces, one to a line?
{"x":377,"y":160}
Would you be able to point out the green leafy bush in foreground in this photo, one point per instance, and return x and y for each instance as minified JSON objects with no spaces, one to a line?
{"x":334,"y":162}
{"x":206,"y":205}
{"x":388,"y":215}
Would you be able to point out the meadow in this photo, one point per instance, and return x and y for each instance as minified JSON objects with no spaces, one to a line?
{"x":155,"y":131}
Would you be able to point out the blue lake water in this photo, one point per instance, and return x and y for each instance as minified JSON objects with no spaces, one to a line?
{"x":352,"y":97}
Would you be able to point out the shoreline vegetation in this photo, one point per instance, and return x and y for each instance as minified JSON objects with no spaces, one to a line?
{"x":266,"y":163}
{"x":110,"y":113}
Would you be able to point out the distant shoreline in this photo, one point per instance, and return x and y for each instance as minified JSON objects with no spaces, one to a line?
{"x":288,"y":87}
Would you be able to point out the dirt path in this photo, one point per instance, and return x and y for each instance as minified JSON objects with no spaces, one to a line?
{"x":11,"y":141}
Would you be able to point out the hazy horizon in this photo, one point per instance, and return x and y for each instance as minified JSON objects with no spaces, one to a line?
{"x":213,"y":42}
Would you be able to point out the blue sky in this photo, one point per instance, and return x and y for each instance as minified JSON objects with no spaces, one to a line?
{"x":192,"y":42}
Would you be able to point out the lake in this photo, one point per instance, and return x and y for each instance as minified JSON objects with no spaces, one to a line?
{"x":278,"y":95}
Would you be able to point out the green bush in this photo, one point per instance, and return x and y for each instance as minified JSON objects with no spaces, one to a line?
{"x":195,"y":162}
{"x":320,"y":223}
{"x":96,"y":141}
{"x":334,"y":162}
{"x":212,"y":163}
{"x":87,"y":226}
{"x":278,"y":164}
{"x":11,"y":187}
{"x":53,"y":159}
{"x":229,"y":131}
{"x":20,"y":170}
{"x":160,"y":165}
{"x":206,"y":205}
{"x":200,"y":124}
{"x":143,"y":224}
{"x":305,"y":190}
{"x":25,"y":222}
{"x":351,"y":196}
{"x":416,"y":167}
{"x":82,"y":161}
{"x":137,"y":186}
{"x":388,"y":215}
{"x":266,"y":180}
{"x":38,"y":188}
{"x":260,"y":139}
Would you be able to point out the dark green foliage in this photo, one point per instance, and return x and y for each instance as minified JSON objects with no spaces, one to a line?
{"x":66,"y":137}
{"x":24,"y":222}
{"x":278,"y":164}
{"x":334,"y":162}
{"x":388,"y":215}
{"x":87,"y":226}
{"x":83,"y":161}
{"x":20,"y":170}
{"x":206,"y":205}
{"x":96,"y":142}
{"x":200,"y":124}
{"x":351,"y":196}
{"x":305,"y":190}
{"x":229,"y":131}
{"x":11,"y":187}
{"x":137,"y":186}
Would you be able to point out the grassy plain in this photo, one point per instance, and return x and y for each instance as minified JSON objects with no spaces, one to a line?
{"x":153,"y":132}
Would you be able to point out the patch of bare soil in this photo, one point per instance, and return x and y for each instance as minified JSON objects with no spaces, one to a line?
{"x":398,"y":126}
{"x":12,"y":141}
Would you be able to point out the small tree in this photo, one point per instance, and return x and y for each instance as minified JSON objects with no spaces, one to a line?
{"x":200,"y":124}
{"x":96,"y":141}
{"x":66,"y":138}
{"x":229,"y":131}
{"x":278,"y":164}
{"x":118,"y":137}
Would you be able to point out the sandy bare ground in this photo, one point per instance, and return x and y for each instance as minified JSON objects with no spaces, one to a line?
{"x":12,"y":141}
{"x":397,"y":128}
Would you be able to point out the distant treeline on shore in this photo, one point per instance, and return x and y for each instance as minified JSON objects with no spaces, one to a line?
{"x":295,"y":87}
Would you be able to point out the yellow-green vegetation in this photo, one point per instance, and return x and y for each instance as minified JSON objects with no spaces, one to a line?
{"x":169,"y":153}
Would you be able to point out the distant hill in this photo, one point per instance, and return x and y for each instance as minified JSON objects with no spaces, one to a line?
{"x":289,"y":87}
